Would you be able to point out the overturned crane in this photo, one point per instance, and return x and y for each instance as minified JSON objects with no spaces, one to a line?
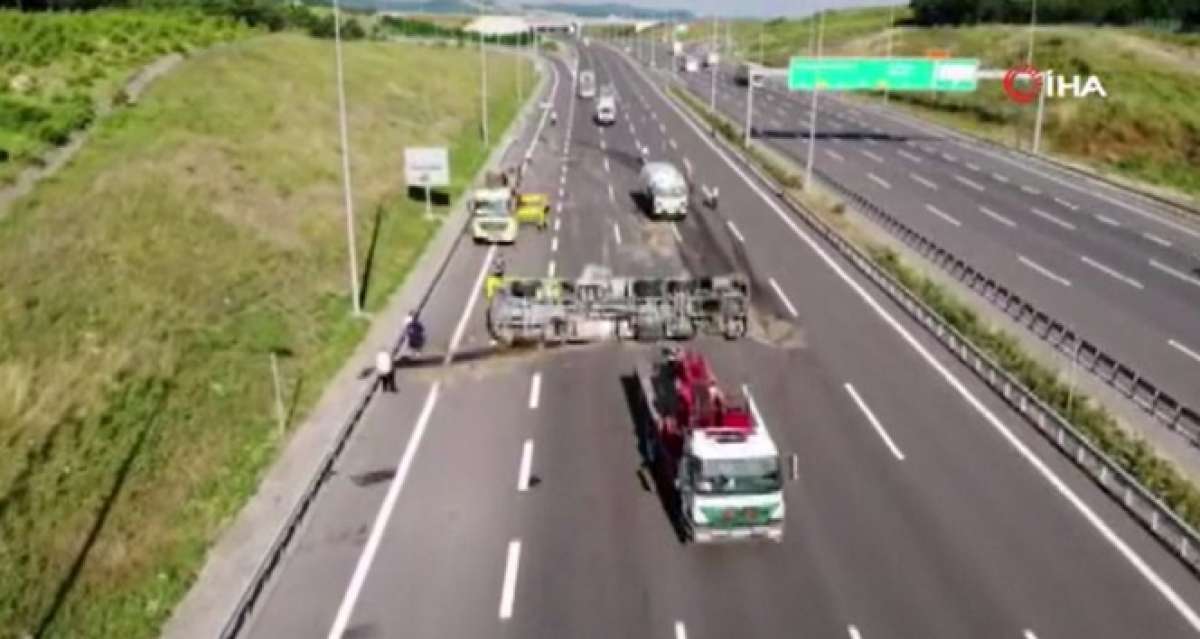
{"x":599,"y":306}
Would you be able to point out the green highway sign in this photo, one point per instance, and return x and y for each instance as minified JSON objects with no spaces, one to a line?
{"x":873,"y":74}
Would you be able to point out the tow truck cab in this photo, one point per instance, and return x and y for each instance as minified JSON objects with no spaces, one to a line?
{"x":730,"y":485}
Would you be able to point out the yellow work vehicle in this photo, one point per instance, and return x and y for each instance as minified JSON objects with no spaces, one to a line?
{"x":533,"y":208}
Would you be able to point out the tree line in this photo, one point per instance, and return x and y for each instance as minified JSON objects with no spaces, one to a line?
{"x":1116,"y":12}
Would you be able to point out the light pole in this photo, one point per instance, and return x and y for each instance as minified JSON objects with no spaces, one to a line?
{"x":1041,"y":106}
{"x":712,"y":97}
{"x":812,"y":118}
{"x":891,"y":27}
{"x":762,"y":28}
{"x":749,"y":104}
{"x":483,"y":88}
{"x":347,"y":195}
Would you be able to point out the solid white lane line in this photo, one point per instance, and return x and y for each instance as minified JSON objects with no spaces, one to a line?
{"x":1185,"y":350}
{"x":835,"y":155}
{"x":617,"y":232}
{"x":1081,"y":507}
{"x":675,"y":232}
{"x":909,"y":156}
{"x":1053,"y":219}
{"x":606,"y":167}
{"x":872,"y":155}
{"x":554,"y":245}
{"x":1031,"y":190}
{"x":525,"y":467}
{"x":933,"y":209}
{"x":975,"y":185}
{"x":680,"y":630}
{"x":462,"y":321}
{"x":1073,"y":207}
{"x":999,"y":178}
{"x":854,"y":634}
{"x":878,"y":180}
{"x":736,"y":233}
{"x":1043,"y":270}
{"x":509,"y":590}
{"x":535,"y":390}
{"x":866,"y":410}
{"x":786,"y":302}
{"x":1175,"y":272}
{"x":1111,"y":272}
{"x":550,"y":269}
{"x":971,"y":165}
{"x":996,"y":216}
{"x":922,"y":181}
{"x":1157,"y":240}
{"x":346,"y":608}
{"x":1107,"y":220}
{"x":611,"y":196}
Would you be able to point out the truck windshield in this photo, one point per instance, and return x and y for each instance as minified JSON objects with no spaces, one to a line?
{"x":491,"y":208}
{"x":736,"y":476}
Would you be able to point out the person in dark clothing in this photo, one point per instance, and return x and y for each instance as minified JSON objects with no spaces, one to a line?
{"x":415,"y":333}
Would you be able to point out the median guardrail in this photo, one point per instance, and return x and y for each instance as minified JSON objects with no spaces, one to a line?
{"x":1173,"y":532}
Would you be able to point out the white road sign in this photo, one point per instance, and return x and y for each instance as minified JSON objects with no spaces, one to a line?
{"x":427,"y":166}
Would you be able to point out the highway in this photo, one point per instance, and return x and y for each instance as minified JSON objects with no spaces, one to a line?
{"x":497,"y":494}
{"x":1118,"y":268}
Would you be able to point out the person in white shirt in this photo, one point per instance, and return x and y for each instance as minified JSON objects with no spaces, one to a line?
{"x":385,"y":371}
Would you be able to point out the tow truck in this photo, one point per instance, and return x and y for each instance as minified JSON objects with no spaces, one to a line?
{"x":715,"y":450}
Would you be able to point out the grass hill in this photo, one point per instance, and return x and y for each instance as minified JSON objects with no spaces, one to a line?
{"x":1148,"y":129}
{"x":144,"y":286}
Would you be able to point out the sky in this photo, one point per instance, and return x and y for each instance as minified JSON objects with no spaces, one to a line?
{"x":755,"y":8}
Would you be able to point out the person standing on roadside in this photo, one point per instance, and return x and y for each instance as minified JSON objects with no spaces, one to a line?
{"x":385,"y":371}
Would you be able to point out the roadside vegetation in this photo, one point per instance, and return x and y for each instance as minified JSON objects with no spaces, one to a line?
{"x":1133,"y":454}
{"x":145,"y":285}
{"x":1147,"y":130}
{"x":55,"y":69}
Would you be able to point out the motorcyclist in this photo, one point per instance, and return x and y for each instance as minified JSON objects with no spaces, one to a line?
{"x":415,"y":333}
{"x":495,"y":278}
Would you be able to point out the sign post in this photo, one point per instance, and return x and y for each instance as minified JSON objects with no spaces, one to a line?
{"x":879,"y":74}
{"x":427,"y":167}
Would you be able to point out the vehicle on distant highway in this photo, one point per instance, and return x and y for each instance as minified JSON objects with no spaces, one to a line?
{"x":587,"y":84}
{"x":534,"y":209}
{"x":606,"y":110}
{"x":690,"y":64}
{"x":749,"y":73}
{"x":712,"y":59}
{"x":665,"y":190}
{"x":491,"y":207}
{"x":727,"y":472}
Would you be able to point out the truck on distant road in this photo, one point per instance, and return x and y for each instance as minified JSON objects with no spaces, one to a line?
{"x":714,"y":450}
{"x":749,"y":73}
{"x":665,"y":190}
{"x":587,"y":84}
{"x":712,"y":59}
{"x":689,"y":64}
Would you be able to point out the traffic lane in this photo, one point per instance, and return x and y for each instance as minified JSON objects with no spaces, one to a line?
{"x":1108,"y":311}
{"x":1087,"y":192}
{"x":440,"y":566}
{"x":596,"y":546}
{"x":302,"y":597}
{"x":870,"y":361}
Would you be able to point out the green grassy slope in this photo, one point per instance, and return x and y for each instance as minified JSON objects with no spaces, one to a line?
{"x":1147,"y":130}
{"x":144,"y":286}
{"x":55,"y":67}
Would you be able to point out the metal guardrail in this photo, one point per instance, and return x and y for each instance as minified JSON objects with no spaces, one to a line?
{"x":1162,"y":522}
{"x":245,"y":606}
{"x":1168,"y":410}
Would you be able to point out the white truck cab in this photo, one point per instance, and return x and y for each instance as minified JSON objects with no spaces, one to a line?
{"x":492,"y":218}
{"x":731,"y":488}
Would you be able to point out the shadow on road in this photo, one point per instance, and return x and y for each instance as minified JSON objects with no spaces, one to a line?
{"x":653,"y":472}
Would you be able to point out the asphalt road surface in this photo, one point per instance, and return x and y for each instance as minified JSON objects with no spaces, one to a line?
{"x":1116,"y":267}
{"x":497,"y":494}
